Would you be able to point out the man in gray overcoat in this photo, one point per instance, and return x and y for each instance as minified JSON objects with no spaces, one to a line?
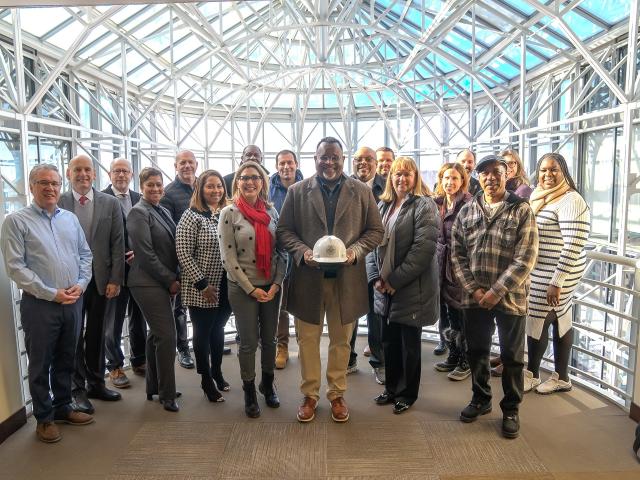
{"x":328,"y":203}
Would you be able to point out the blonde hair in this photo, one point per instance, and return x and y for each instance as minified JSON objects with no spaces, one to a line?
{"x":420,"y":189}
{"x":458,"y":168}
{"x":520,"y":176}
{"x":264,"y":190}
{"x":197,"y":199}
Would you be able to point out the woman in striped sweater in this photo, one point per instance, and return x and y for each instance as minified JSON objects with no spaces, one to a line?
{"x":563,"y":220}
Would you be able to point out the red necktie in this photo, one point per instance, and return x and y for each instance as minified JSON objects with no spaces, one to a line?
{"x":83,"y":200}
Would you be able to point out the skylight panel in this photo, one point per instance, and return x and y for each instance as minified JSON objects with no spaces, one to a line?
{"x":610,"y":11}
{"x":522,"y":5}
{"x":38,"y":21}
{"x":64,"y":37}
{"x":581,"y":26}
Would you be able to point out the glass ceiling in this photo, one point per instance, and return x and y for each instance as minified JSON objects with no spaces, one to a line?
{"x":331,"y":54}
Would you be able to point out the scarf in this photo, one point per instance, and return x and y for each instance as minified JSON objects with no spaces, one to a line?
{"x":258,"y":217}
{"x":540,"y":197}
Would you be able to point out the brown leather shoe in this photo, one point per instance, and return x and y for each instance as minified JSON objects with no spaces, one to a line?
{"x":119,"y":379}
{"x":75,"y":418}
{"x":307,"y":409}
{"x":339,"y":410}
{"x":48,"y":432}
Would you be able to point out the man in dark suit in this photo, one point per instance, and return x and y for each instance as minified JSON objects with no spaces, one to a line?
{"x":100,"y":217}
{"x":177,"y":196}
{"x":365,"y":170}
{"x":250,"y":153}
{"x":121,"y":173}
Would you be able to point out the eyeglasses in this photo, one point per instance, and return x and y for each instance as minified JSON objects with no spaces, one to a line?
{"x":249,"y":178}
{"x":47,"y":183}
{"x":119,"y":171}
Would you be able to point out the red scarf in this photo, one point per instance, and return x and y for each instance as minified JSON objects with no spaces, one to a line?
{"x":258,"y":217}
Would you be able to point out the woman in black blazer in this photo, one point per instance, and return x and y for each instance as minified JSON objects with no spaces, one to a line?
{"x":153,"y":281}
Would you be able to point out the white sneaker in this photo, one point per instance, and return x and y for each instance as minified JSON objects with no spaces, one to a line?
{"x":530,"y":382}
{"x":553,"y":384}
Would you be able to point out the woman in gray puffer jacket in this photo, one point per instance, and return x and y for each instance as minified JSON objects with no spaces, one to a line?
{"x":405,"y":269}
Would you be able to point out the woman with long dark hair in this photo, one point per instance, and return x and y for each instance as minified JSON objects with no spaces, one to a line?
{"x":204,"y":283}
{"x":564,"y":222}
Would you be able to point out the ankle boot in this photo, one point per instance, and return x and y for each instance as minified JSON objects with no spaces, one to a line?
{"x":210,"y":390}
{"x":268,"y":389}
{"x":251,"y":407}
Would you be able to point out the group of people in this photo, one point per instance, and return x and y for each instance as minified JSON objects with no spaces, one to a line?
{"x":475,"y":252}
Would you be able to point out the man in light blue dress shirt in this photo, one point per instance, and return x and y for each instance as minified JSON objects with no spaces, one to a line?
{"x":45,"y":252}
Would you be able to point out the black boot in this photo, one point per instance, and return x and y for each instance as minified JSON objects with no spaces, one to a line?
{"x":268,"y":389}
{"x":251,"y":407}
{"x":210,"y":390}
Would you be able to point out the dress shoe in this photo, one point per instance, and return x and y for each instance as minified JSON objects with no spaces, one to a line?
{"x":511,"y":426}
{"x":140,"y":369}
{"x":119,"y":379}
{"x":282,"y":355}
{"x":184,"y":359}
{"x":103,"y":393}
{"x":170,"y":405}
{"x":81,"y":403}
{"x":48,"y":432}
{"x":367,"y":351}
{"x":307,"y":409}
{"x":339,"y":410}
{"x":74,"y":418}
{"x":226,"y":351}
{"x":440,"y":349}
{"x":400,"y":407}
{"x":221,"y":383}
{"x":384,"y":398}
{"x":471,"y":412}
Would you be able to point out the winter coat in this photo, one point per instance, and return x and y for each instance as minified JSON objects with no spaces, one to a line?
{"x":416,"y":302}
{"x":303,"y":221}
{"x":277,"y":191}
{"x":522,"y":190}
{"x":450,"y":290}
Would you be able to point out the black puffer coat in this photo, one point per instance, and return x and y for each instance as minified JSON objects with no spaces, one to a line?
{"x":416,"y":301}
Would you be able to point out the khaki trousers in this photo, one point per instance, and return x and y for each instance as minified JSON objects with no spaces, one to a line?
{"x":339,"y":348}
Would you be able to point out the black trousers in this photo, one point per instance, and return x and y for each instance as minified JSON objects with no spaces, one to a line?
{"x":90,"y":358}
{"x":50,"y":336}
{"x":208,"y":334}
{"x":402,"y":360}
{"x":453,"y":316}
{"x":182,"y":331}
{"x":116,"y":312}
{"x":374,"y":334}
{"x":478,"y":328}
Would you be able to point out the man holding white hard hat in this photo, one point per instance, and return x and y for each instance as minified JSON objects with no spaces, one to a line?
{"x":328,"y":203}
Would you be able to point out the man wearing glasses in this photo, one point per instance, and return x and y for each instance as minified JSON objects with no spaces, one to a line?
{"x":46,"y":254}
{"x":121,"y":174}
{"x":328,"y":203}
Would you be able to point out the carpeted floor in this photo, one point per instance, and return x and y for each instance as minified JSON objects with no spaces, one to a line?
{"x":564,"y":437}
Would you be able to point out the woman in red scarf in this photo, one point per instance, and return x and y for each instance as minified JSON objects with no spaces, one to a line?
{"x":255,"y":270}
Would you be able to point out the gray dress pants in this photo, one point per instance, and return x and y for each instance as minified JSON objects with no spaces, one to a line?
{"x":157,"y":307}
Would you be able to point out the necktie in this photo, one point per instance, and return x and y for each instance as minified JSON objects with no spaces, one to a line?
{"x":83,"y":200}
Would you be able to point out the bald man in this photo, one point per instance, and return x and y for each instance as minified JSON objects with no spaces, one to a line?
{"x":365,"y":169}
{"x":100,"y":217}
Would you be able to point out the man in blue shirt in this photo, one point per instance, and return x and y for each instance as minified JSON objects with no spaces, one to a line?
{"x":45,"y":252}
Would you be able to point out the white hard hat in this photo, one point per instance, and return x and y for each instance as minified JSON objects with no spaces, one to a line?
{"x":329,"y":249}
